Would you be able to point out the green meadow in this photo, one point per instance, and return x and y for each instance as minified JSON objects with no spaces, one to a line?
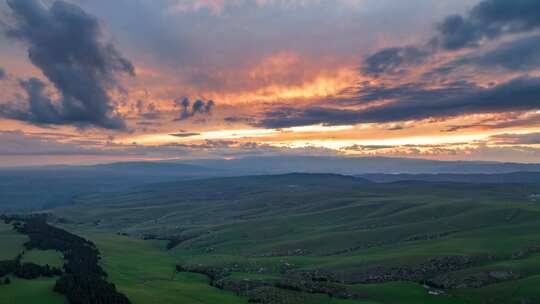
{"x":144,"y":271}
{"x":27,"y":291}
{"x":44,"y":257}
{"x":11,"y":242}
{"x":30,"y":291}
{"x":258,"y":226}
{"x":259,"y":231}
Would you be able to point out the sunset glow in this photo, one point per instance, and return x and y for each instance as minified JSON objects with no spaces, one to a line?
{"x":281,"y":74}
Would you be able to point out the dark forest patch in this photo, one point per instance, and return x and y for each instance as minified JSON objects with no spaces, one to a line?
{"x":83,"y":281}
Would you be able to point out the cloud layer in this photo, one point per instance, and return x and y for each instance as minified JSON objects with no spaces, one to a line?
{"x":488,"y":20}
{"x":67,"y":45}
{"x":453,"y":78}
{"x":447,"y":89}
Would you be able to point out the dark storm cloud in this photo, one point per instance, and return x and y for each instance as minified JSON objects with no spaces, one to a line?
{"x":488,"y":20}
{"x":390,"y":60}
{"x":519,"y":94}
{"x":413,"y":92}
{"x":198,"y":107}
{"x":522,"y":54}
{"x":66,"y":44}
{"x":41,"y":109}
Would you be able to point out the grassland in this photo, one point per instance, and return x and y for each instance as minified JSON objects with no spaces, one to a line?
{"x":27,"y":291}
{"x":44,"y":257}
{"x":30,"y":291}
{"x":144,"y":271}
{"x":265,"y":228}
{"x":11,"y":242}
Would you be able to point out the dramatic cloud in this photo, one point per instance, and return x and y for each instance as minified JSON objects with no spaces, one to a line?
{"x":413,"y":92}
{"x":41,"y":109}
{"x":516,"y":95}
{"x":390,"y":60}
{"x":436,"y":93}
{"x":2,"y":73}
{"x":522,"y":54}
{"x":437,"y":79}
{"x":66,"y":44}
{"x":488,"y":20}
{"x":198,"y":107}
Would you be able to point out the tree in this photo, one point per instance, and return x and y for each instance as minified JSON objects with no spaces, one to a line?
{"x":7,"y":281}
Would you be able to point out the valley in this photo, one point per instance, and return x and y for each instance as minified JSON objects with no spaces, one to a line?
{"x":312,"y":238}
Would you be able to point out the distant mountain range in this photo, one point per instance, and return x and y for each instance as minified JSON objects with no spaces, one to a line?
{"x":359,"y":165}
{"x":35,"y":188}
{"x":495,"y":178}
{"x":305,"y":164}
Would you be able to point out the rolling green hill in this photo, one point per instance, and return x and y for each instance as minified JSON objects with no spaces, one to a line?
{"x":298,"y":238}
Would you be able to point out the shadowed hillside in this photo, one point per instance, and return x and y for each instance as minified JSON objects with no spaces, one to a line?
{"x":38,"y":188}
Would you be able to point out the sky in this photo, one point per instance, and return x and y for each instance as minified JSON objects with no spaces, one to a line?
{"x":97,"y":81}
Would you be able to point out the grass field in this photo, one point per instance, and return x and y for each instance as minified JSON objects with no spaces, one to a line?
{"x":11,"y":242}
{"x":153,"y":281}
{"x":44,"y":257}
{"x":259,"y":226}
{"x":144,"y":271}
{"x":30,"y":291}
{"x":27,"y":291}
